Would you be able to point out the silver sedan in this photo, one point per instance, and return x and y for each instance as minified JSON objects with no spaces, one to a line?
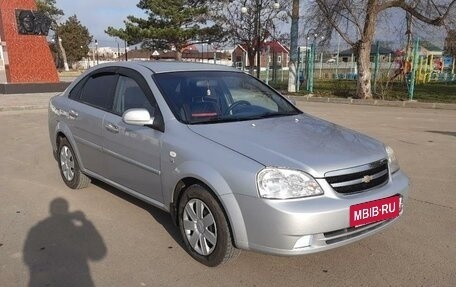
{"x":236,"y":164}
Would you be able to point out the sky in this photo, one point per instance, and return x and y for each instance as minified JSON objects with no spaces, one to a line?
{"x":97,"y":15}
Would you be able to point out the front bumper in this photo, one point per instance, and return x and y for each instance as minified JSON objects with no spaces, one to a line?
{"x":301,"y":226}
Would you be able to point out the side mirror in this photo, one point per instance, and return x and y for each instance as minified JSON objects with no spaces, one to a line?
{"x":137,"y":117}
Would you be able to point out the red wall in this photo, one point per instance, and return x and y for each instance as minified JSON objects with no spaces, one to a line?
{"x":30,"y":59}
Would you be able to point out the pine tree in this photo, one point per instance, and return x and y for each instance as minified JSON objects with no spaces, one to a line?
{"x":171,"y":24}
{"x":75,"y":39}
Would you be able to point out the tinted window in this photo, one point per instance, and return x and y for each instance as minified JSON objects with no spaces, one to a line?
{"x":98,"y":91}
{"x":129,"y":95}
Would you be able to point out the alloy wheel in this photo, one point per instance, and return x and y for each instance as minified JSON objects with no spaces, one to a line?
{"x":199,"y":226}
{"x":67,"y":163}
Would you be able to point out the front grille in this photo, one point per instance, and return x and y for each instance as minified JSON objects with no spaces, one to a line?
{"x":360,"y":178}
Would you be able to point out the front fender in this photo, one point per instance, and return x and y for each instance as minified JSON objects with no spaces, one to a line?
{"x":220,"y":188}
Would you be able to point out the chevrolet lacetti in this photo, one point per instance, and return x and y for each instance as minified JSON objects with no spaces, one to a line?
{"x":236,"y":164}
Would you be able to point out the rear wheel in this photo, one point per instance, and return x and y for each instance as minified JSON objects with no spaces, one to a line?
{"x":204,"y":227}
{"x":69,"y":167}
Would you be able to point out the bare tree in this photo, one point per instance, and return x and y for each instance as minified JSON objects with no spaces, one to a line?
{"x":249,"y":22}
{"x":356,"y":23}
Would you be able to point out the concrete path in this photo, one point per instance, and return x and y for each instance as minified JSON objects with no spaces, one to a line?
{"x":44,"y":224}
{"x":14,"y":102}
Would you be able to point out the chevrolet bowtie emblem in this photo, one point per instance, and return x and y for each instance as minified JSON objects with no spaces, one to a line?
{"x":367,"y":179}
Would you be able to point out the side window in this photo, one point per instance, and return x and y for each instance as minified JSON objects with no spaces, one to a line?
{"x":74,"y":93}
{"x":129,"y":95}
{"x":98,"y":91}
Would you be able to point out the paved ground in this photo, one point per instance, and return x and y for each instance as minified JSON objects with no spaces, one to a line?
{"x":123,"y":242}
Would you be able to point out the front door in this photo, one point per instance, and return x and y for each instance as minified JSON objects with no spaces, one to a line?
{"x":133,"y":152}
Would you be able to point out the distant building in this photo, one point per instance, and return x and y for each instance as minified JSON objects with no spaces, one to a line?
{"x":346,"y":55}
{"x":429,"y":49}
{"x":189,"y":54}
{"x":272,"y":52}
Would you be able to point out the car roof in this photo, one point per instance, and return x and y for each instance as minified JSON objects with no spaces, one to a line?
{"x":169,"y":66}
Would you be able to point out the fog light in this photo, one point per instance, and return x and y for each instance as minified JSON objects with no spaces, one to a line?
{"x":303,"y":242}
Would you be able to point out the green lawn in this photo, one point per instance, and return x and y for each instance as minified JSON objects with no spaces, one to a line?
{"x":430,"y":92}
{"x":71,"y":73}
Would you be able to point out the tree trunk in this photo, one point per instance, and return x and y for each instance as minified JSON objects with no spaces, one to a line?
{"x":408,"y":47}
{"x":363,"y":50}
{"x":293,"y":47}
{"x":291,"y":77}
{"x":251,"y":56}
{"x":178,"y":55}
{"x":63,"y":53}
{"x":363,"y":87}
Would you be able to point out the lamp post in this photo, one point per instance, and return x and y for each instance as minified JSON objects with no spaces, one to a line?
{"x":96,"y":49}
{"x":126,"y":51}
{"x":306,"y":66}
{"x":118,"y":50}
{"x":202,"y":58}
{"x":312,"y":62}
{"x":258,"y":7}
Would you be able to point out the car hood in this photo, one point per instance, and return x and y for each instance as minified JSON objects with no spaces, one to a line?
{"x":298,"y":142}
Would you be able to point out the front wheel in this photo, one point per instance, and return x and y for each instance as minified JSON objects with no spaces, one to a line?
{"x":204,"y":227}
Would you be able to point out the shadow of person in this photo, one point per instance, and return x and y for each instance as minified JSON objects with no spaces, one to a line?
{"x":58,"y":248}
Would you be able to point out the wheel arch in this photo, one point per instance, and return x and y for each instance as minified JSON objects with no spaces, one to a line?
{"x":62,"y":131}
{"x":237,"y":230}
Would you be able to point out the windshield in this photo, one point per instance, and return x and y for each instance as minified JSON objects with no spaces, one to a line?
{"x":212,"y":97}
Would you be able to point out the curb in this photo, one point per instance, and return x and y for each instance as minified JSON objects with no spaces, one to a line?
{"x":380,"y":103}
{"x":23,"y":108}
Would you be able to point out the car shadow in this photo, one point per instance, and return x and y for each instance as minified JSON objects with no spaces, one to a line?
{"x":58,"y":249}
{"x":159,"y":215}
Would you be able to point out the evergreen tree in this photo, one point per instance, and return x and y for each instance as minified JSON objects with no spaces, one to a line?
{"x":171,"y":24}
{"x":75,"y":39}
{"x":49,"y":8}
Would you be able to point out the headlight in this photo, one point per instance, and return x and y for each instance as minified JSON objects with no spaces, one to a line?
{"x":280,"y":183}
{"x":392,"y":161}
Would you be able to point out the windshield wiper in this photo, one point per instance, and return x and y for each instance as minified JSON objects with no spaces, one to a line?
{"x":220,"y":120}
{"x":274,"y":115}
{"x":254,"y":117}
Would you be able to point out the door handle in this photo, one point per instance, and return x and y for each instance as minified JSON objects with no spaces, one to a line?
{"x":72,"y":114}
{"x":112,"y":128}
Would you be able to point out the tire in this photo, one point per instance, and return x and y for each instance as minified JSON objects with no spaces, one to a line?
{"x":69,"y":167}
{"x":204,"y":228}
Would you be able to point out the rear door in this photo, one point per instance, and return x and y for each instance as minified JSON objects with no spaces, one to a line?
{"x":91,"y":101}
{"x":133,"y":152}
